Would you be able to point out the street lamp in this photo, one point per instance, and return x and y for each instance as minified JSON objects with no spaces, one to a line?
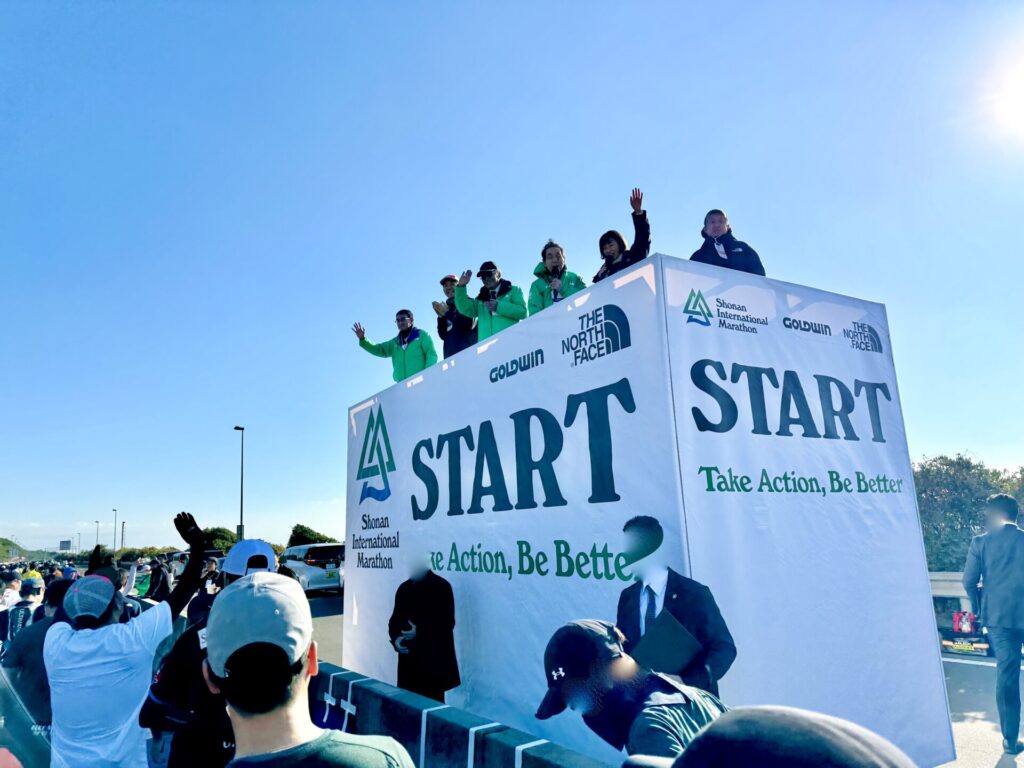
{"x":97,"y":533}
{"x":115,"y":530}
{"x":241,"y":487}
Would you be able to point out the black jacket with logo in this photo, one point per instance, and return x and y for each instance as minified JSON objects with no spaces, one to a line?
{"x":738,"y":255}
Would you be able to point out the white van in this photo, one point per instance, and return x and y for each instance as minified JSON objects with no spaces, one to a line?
{"x":317,"y":566}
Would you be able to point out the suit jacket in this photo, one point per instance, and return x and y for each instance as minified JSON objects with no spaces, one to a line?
{"x":693,"y":606}
{"x":997,"y":560}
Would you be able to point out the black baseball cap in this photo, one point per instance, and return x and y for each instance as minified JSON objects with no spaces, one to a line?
{"x":487,"y":266}
{"x":573,"y":653}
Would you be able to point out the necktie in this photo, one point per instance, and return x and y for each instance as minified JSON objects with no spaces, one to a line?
{"x":652,"y":610}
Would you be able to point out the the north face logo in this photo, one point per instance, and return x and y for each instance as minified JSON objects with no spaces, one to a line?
{"x":863,"y":337}
{"x":697,"y":309}
{"x":601,"y":332}
{"x":375,"y":460}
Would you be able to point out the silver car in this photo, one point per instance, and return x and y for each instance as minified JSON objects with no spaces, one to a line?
{"x":317,"y":566}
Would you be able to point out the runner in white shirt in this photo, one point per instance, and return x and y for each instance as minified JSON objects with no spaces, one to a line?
{"x":100,"y":669}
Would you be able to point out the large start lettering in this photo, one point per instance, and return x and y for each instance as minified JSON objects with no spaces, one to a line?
{"x":488,"y":459}
{"x":837,"y":402}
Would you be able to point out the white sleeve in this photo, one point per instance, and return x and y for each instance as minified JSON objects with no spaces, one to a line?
{"x":129,"y":585}
{"x":152,"y":626}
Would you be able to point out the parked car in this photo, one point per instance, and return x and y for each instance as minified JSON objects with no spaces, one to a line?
{"x":317,"y":566}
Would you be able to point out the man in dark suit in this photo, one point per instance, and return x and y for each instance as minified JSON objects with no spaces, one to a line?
{"x":658,"y":588}
{"x":422,"y":631}
{"x":996,"y":560}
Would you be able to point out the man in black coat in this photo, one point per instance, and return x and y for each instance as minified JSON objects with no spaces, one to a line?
{"x":659,"y":588}
{"x":159,"y":581}
{"x":422,"y":631}
{"x":996,"y":559}
{"x":456,"y":330}
{"x":722,"y":249}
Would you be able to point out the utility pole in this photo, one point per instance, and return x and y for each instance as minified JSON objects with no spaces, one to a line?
{"x":122,"y":534}
{"x":241,"y":488}
{"x":115,"y":530}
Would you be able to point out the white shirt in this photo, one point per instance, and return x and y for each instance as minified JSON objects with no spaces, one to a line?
{"x":658,"y":582}
{"x":99,"y":679}
{"x":720,"y":250}
{"x":10,"y":598}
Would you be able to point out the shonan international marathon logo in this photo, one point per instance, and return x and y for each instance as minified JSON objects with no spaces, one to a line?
{"x":730,"y":315}
{"x":697,"y":309}
{"x":863,"y":337}
{"x":376,"y":459}
{"x":602,"y":331}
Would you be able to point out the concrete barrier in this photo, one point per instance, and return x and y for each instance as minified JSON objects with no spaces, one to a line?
{"x":436,"y":735}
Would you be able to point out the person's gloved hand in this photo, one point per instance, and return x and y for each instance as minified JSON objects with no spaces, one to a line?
{"x":189,"y":530}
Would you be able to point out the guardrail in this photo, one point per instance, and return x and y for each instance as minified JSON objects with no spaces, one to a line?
{"x":436,"y":735}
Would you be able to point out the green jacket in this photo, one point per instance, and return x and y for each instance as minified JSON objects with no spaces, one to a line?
{"x":417,"y":354}
{"x":510,"y":310}
{"x":540,"y":291}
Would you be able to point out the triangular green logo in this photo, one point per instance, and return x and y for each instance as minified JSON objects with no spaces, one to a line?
{"x":697,"y":309}
{"x":376,"y":459}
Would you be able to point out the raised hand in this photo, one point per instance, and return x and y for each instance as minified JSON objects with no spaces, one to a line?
{"x":189,"y":530}
{"x":440,"y":308}
{"x":466,"y":277}
{"x":95,"y":559}
{"x":359,"y":331}
{"x":637,"y":200}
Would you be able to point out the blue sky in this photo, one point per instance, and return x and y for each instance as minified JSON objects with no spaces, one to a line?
{"x":197,"y":200}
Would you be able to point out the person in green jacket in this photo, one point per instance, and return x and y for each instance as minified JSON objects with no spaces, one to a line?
{"x":498,"y":306}
{"x":554,"y":282}
{"x":411,"y":351}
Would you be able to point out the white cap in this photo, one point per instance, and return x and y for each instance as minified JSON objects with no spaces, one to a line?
{"x":237,"y":561}
{"x":259,"y":608}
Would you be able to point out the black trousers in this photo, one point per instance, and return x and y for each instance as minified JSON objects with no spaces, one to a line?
{"x":1007,"y":644}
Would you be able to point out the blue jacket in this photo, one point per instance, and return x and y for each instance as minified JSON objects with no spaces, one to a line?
{"x":738,"y":255}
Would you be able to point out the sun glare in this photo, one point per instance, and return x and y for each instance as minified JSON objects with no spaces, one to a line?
{"x":1004,"y":99}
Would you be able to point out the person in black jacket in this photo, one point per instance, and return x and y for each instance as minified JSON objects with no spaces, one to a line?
{"x":159,"y":581}
{"x":722,"y":249}
{"x":617,"y":256}
{"x":422,"y":631}
{"x":457,"y":331}
{"x":996,"y":560}
{"x":179,"y":700}
{"x":659,"y":588}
